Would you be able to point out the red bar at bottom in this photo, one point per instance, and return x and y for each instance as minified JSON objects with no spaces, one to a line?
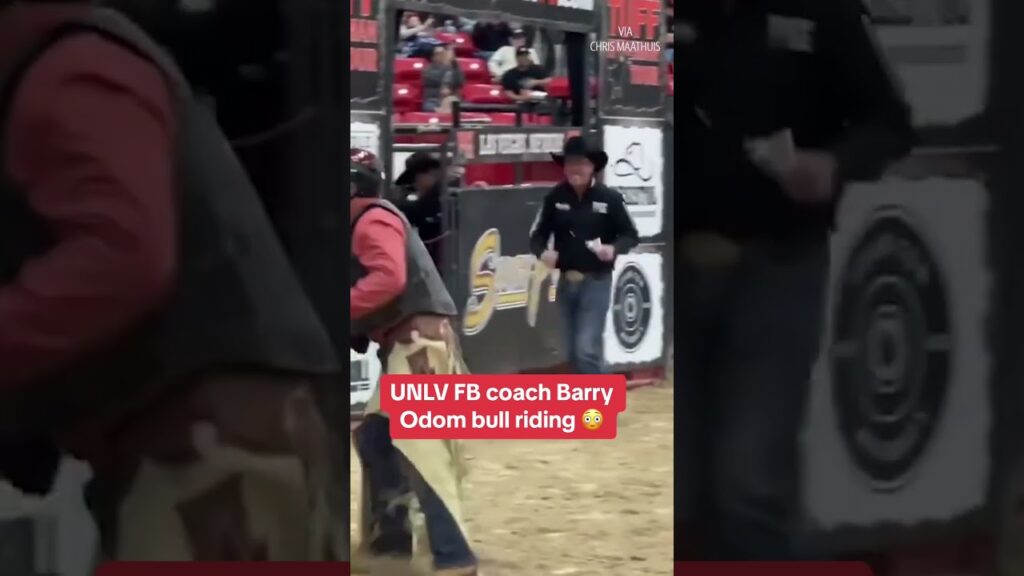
{"x":224,"y":569}
{"x":773,"y":569}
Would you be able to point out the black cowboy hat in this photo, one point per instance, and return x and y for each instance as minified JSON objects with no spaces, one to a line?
{"x":416,"y":164}
{"x":586,"y":147}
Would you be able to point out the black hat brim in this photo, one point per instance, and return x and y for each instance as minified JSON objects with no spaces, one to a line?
{"x":405,"y":178}
{"x":423,"y":165}
{"x":598,"y":158}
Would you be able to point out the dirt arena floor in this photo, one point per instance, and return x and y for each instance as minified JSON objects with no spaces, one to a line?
{"x":562,"y":508}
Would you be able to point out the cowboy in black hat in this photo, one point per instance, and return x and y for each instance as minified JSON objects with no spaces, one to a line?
{"x":420,"y":199}
{"x":581,"y":228}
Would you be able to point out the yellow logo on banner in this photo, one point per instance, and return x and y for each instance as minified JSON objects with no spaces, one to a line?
{"x":499,"y":282}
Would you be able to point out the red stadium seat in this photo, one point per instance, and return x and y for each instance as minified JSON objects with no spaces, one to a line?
{"x":559,"y":87}
{"x":462,"y":42}
{"x":541,"y":119}
{"x":398,"y":119}
{"x":426,"y":118}
{"x":474,"y":69}
{"x":476,"y":117}
{"x":484,"y":94}
{"x":493,"y":174}
{"x":406,"y":97}
{"x":437,"y":118}
{"x":671,"y":85}
{"x":503,"y":118}
{"x":409,"y":69}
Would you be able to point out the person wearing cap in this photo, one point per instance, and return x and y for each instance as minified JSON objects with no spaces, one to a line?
{"x":581,"y":227}
{"x":506,"y":57}
{"x":419,"y":199}
{"x":527,"y":77}
{"x":398,"y":300}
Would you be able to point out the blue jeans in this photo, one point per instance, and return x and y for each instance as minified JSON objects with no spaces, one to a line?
{"x":391,"y":475}
{"x":746,"y":341}
{"x":584,"y":307}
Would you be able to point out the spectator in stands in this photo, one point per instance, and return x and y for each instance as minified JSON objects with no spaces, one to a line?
{"x":506,"y":58}
{"x":413,"y":27}
{"x":489,"y":37}
{"x":526,"y":78}
{"x":416,"y":35}
{"x":456,"y":24}
{"x":442,"y":80}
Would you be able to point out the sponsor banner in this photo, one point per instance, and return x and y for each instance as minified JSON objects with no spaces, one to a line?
{"x":905,"y":361}
{"x":669,"y":247}
{"x":365,"y":81}
{"x":635,"y":330}
{"x":509,"y":320}
{"x":580,"y":14}
{"x":939,"y":50}
{"x":634,"y":55}
{"x":512,"y":144}
{"x":636,"y":169}
{"x":365,"y":374}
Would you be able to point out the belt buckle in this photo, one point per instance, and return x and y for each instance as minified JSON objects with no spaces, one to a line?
{"x":574,"y":276}
{"x":705,"y":249}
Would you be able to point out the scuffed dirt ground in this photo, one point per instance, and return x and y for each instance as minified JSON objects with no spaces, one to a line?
{"x":563,"y":508}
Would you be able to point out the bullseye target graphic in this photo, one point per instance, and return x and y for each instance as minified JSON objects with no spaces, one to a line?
{"x":631,"y":307}
{"x":891,"y":349}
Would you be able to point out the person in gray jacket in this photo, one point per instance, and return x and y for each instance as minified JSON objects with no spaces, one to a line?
{"x":442,"y":79}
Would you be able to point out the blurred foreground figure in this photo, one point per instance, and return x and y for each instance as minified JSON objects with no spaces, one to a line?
{"x":780,"y":111}
{"x":398,"y":300}
{"x":150,"y":323}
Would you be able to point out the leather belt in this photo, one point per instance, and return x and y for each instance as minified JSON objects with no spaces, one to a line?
{"x":574,"y":276}
{"x":710,"y":249}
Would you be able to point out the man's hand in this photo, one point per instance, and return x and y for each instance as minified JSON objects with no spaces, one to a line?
{"x":810,"y":177}
{"x":549,"y":258}
{"x":606,"y":252}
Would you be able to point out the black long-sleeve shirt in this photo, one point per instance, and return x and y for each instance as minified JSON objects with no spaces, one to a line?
{"x":763,"y":66}
{"x":424,"y":214}
{"x":574,"y":220}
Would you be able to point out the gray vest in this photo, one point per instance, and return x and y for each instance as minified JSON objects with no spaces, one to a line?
{"x":237,"y":303}
{"x":425,"y":292}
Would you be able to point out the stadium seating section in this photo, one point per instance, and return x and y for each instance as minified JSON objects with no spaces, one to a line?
{"x":408,"y":102}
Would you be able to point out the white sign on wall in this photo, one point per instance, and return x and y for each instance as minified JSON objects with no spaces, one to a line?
{"x":398,"y":162}
{"x":365,"y":135}
{"x":939,"y":49}
{"x":634,"y":331}
{"x":899,"y":416}
{"x":635,"y":168}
